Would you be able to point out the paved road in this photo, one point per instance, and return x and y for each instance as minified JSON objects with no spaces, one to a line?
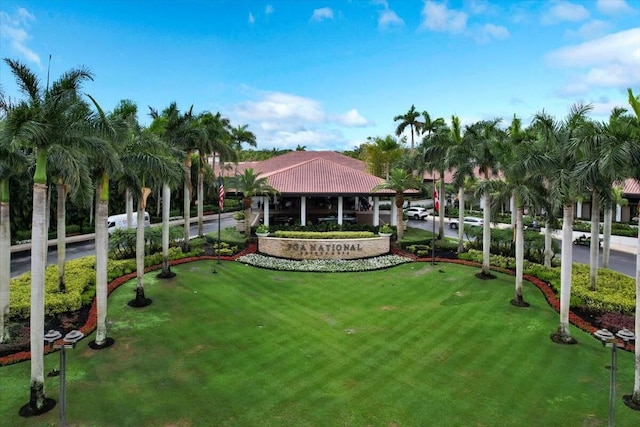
{"x":621,"y":261}
{"x":624,"y":262}
{"x":21,"y":261}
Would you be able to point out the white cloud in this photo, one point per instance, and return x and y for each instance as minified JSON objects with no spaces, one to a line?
{"x":351,"y":118}
{"x":322,"y":14}
{"x":285,"y":120}
{"x":14,"y":29}
{"x":437,"y":17}
{"x":591,"y":29}
{"x":609,"y":61}
{"x":613,"y":7}
{"x":268,"y":10}
{"x":389,"y":18}
{"x":283,"y":107}
{"x":251,"y":18}
{"x":487,"y":32}
{"x":564,"y":11}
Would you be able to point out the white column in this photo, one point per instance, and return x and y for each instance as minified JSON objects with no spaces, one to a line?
{"x":579,"y":210}
{"x":303,"y":210}
{"x":618,"y":213}
{"x":357,"y":203}
{"x":394,"y":213}
{"x":340,"y":201}
{"x":376,"y":211}
{"x":265,"y":207}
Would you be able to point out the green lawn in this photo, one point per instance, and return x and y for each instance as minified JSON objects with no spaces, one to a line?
{"x":406,"y":346}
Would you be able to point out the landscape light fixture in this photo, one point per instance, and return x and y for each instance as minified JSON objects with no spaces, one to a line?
{"x":69,"y":341}
{"x":606,"y":337}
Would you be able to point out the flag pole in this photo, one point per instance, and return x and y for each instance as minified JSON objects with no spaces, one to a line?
{"x":220,"y":207}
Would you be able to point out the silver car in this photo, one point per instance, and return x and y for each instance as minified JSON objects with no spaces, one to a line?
{"x":468,"y":220}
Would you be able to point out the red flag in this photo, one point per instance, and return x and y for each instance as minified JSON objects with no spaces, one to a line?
{"x":220,"y":194}
{"x":436,"y":199}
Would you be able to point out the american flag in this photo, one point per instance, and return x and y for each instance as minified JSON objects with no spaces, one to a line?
{"x":436,"y":199}
{"x":220,"y":193}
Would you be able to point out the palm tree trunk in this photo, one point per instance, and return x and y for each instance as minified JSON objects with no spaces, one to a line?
{"x":486,"y":234}
{"x":519,"y":300}
{"x":128,"y":197}
{"x":200,"y":202}
{"x":5,"y":260}
{"x":606,"y":244}
{"x":442,"y":207}
{"x":636,"y":383}
{"x":140,"y":246}
{"x":61,"y":234}
{"x":563,"y":334}
{"x":460,"y":219}
{"x":166,"y":204}
{"x":548,"y":248}
{"x":594,"y":247}
{"x":38,"y":257}
{"x":102,"y":241}
{"x":186,"y":205}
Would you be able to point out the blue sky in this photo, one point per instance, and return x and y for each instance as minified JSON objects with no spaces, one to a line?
{"x":329,"y":74}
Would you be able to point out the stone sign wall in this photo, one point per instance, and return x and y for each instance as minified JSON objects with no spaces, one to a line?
{"x":323,"y":249}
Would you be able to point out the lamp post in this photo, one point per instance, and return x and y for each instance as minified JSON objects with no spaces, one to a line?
{"x":69,"y":341}
{"x":608,"y":338}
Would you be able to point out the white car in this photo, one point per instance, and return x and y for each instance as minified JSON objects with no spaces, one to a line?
{"x":416,"y":212}
{"x":468,"y":220}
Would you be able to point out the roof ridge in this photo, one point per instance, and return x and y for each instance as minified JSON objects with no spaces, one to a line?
{"x":314,"y":159}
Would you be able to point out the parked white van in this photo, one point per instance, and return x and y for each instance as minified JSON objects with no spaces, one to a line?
{"x":115,"y":222}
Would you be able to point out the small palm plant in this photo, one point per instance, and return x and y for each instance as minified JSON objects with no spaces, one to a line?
{"x":385,"y":229}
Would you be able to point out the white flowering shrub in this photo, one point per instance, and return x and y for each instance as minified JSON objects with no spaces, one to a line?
{"x":322,"y":265}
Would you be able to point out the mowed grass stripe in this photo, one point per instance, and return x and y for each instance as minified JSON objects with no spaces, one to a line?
{"x":425,"y":348}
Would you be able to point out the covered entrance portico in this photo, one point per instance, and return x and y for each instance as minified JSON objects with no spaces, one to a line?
{"x":318,"y":209}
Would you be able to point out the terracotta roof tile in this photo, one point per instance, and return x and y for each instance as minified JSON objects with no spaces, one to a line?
{"x":312,"y":172}
{"x":321,"y":176}
{"x":632,"y":187}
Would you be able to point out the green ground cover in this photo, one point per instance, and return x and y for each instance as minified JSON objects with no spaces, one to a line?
{"x":412,"y":345}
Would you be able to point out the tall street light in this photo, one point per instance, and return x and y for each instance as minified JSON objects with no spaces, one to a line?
{"x":69,"y":341}
{"x":608,"y":338}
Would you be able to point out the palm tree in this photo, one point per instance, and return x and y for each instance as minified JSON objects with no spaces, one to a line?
{"x":520,"y":163}
{"x":67,"y":164}
{"x":110,"y":132}
{"x":150,"y":164}
{"x":436,"y":143}
{"x":459,"y":158}
{"x":399,"y":181}
{"x":181,"y":132}
{"x":410,"y":118}
{"x":12,"y":163}
{"x":214,"y":139}
{"x":34,"y":122}
{"x":250,"y":184}
{"x":634,"y":399}
{"x":380,"y":154}
{"x":241,"y":135}
{"x":605,"y":151}
{"x":561,"y":166}
{"x":485,"y":135}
